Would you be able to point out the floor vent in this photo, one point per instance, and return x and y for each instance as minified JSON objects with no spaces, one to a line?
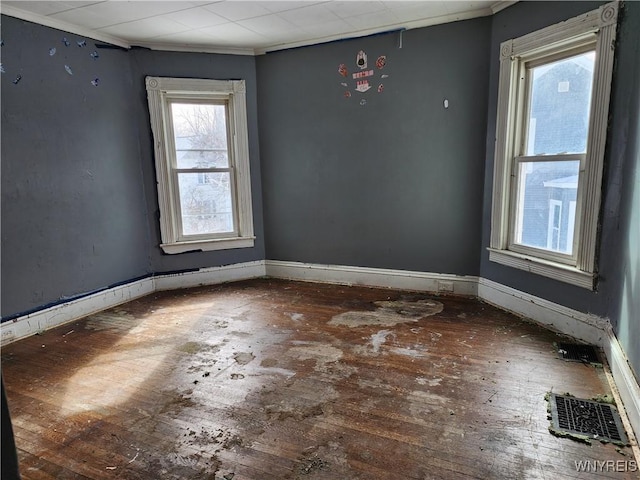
{"x":586,"y":419}
{"x":576,"y":352}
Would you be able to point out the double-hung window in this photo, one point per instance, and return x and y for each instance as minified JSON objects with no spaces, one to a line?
{"x":202,"y":163}
{"x":553,"y":103}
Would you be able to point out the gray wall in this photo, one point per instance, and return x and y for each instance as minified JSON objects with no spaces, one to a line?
{"x":621,"y":240}
{"x":395,"y":183}
{"x":195,"y":65}
{"x":79,"y":201}
{"x":73,"y":213}
{"x":617,"y":212}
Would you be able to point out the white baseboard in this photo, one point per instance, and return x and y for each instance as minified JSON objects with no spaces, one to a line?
{"x":211,"y":276}
{"x":582,"y":326}
{"x":374,"y":277}
{"x":624,"y":379}
{"x":51,"y":317}
{"x":72,"y":310}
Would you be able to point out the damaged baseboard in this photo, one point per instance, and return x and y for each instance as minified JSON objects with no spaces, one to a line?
{"x":374,"y":277}
{"x":582,"y":326}
{"x":47,"y":318}
{"x":624,"y":379}
{"x":210,"y":276}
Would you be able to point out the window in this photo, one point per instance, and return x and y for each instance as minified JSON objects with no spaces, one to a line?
{"x":553,"y":102}
{"x":202,"y":163}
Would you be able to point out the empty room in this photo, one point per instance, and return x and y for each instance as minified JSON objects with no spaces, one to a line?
{"x":320,"y":240}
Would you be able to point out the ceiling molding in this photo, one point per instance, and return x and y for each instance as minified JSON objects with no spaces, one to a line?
{"x":169,"y":47}
{"x":61,"y":25}
{"x":496,"y":7}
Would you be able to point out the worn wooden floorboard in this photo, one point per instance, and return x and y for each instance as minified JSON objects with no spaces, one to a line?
{"x":270,"y":379}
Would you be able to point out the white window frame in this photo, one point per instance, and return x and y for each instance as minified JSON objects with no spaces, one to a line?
{"x":596,"y":27}
{"x":551,"y":227}
{"x":160,"y":92}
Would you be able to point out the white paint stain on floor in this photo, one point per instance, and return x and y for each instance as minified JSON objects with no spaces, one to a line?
{"x":432,"y":382}
{"x":319,"y":352}
{"x":408,"y":352}
{"x":389,"y":313}
{"x":377,"y":339}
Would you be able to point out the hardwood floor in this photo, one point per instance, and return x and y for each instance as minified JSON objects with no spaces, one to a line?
{"x":270,"y":379}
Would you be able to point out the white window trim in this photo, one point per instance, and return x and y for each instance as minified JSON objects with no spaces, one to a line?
{"x":159,"y":89}
{"x":600,"y":23}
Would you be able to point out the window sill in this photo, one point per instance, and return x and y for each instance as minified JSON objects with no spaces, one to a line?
{"x":208,"y":245}
{"x":557,"y":271}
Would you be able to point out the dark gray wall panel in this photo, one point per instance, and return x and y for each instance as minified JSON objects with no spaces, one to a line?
{"x":618,"y":288}
{"x":620,"y":251}
{"x":395,"y":183}
{"x":195,"y":65}
{"x":73,"y":213}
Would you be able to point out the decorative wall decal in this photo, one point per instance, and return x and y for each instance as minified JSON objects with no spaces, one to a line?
{"x":363,"y":74}
{"x":362,"y":85}
{"x":78,"y":64}
{"x":364,"y":79}
{"x":361,"y":60}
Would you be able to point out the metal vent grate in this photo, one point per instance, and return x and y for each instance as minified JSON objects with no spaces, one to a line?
{"x":582,"y":417}
{"x":576,"y":352}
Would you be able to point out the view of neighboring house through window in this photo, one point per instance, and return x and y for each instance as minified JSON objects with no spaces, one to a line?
{"x":203,"y":169}
{"x":551,"y":128}
{"x":557,"y":123}
{"x":202,"y":163}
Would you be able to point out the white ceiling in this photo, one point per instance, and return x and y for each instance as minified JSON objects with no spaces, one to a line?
{"x":239,"y":26}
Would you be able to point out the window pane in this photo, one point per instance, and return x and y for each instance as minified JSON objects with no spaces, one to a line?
{"x":546,"y":203}
{"x":559,"y":106}
{"x":200,"y":132}
{"x":205,"y":203}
